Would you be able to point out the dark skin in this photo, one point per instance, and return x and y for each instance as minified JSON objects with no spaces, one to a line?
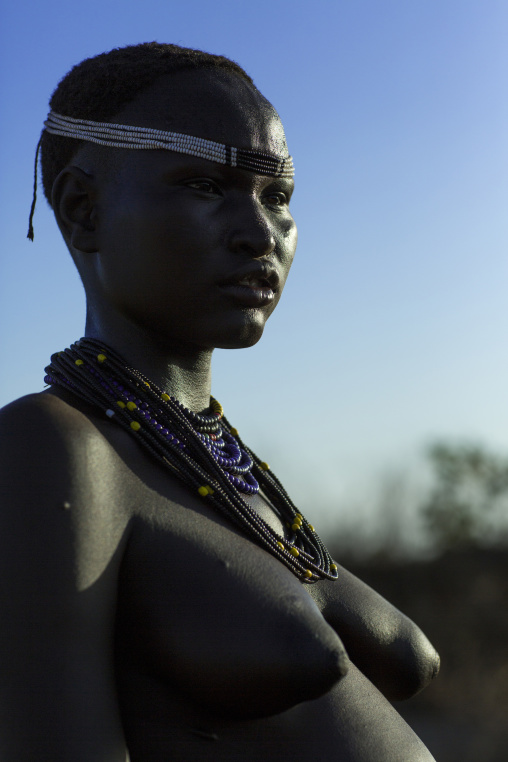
{"x":134,"y":614}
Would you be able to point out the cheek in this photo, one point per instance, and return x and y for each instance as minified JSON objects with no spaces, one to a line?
{"x":288,"y":248}
{"x":145,"y":242}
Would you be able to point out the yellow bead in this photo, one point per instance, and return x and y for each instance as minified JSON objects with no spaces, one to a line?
{"x":308,"y":573}
{"x":101,"y":358}
{"x":203,"y":491}
{"x":135,"y":426}
{"x":295,"y":527}
{"x":281,"y":546}
{"x":311,"y":528}
{"x":79,"y":362}
{"x":299,"y":516}
{"x":333,"y":567}
{"x":264,"y":466}
{"x":297,"y":520}
{"x":147,"y":384}
{"x":217,"y":408}
{"x":132,"y":406}
{"x":234,"y":432}
{"x":120,"y":403}
{"x":165,"y":397}
{"x":294,"y":552}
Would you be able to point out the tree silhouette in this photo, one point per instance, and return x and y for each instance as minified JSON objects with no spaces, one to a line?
{"x":466,"y":502}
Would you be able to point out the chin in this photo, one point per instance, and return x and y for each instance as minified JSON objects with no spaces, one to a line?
{"x":239,"y":334}
{"x":239,"y":343}
{"x":241,"y":338}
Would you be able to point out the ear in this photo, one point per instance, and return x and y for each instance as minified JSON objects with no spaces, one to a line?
{"x":73,"y":200}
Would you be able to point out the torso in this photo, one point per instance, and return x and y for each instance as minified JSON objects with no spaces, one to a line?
{"x":198,"y":606}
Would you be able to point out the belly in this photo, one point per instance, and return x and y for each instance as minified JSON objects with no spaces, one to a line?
{"x":352,"y":723}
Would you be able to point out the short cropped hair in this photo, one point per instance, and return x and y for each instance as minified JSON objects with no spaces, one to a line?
{"x":99,"y":87}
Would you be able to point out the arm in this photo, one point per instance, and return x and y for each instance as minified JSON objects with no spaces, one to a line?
{"x":57,"y":593}
{"x":384,"y":644}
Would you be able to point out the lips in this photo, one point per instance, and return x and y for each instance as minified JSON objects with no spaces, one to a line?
{"x":255,"y":275}
{"x":253,"y":286}
{"x":253,"y":282}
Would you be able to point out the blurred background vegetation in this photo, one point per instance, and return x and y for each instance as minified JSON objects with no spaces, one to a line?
{"x":439,"y":552}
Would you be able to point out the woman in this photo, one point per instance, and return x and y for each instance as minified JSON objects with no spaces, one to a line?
{"x":154,"y":599}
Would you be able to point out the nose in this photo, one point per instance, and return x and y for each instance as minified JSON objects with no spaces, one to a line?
{"x":251,"y":234}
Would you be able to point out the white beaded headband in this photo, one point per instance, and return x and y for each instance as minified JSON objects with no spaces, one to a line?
{"x":126,"y":136}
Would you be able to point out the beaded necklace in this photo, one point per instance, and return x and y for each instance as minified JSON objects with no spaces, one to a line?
{"x":203,"y":450}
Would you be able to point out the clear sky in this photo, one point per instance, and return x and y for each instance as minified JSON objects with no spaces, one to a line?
{"x":394,"y":326}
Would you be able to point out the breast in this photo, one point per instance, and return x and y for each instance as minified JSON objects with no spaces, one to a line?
{"x":218,"y":618}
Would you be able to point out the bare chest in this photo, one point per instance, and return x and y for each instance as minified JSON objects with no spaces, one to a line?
{"x":196,"y":595}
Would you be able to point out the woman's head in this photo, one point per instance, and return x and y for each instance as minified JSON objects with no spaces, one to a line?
{"x":162,"y":240}
{"x":98,"y":88}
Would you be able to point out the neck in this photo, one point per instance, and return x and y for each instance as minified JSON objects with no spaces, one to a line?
{"x":182,"y":372}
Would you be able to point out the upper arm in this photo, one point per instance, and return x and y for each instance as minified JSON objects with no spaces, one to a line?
{"x":385,"y":645}
{"x":57,"y":691}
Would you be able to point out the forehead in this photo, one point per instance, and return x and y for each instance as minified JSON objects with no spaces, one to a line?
{"x":215,"y":105}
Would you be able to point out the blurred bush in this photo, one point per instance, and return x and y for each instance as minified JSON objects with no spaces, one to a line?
{"x":468,"y":498}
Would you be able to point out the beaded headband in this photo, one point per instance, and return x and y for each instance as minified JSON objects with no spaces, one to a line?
{"x":127,"y":136}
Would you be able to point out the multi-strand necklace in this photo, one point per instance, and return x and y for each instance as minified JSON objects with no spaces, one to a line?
{"x":202,"y":449}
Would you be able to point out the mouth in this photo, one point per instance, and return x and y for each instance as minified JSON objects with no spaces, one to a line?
{"x":254,"y":287}
{"x":251,"y":293}
{"x":256,"y":283}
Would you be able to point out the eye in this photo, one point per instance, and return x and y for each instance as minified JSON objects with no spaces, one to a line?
{"x":276,"y":199}
{"x":205,"y":186}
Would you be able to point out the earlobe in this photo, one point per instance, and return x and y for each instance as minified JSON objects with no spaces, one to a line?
{"x":73,"y":201}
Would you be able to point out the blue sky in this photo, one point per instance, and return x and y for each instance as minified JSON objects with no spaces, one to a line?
{"x":394,"y":325}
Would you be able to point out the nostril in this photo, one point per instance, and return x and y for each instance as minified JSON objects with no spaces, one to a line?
{"x":255,"y":240}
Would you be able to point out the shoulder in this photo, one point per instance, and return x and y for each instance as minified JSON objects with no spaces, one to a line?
{"x":40,"y":437}
{"x":47,"y":437}
{"x":39,"y":418}
{"x":42,"y":415}
{"x":57,"y":483}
